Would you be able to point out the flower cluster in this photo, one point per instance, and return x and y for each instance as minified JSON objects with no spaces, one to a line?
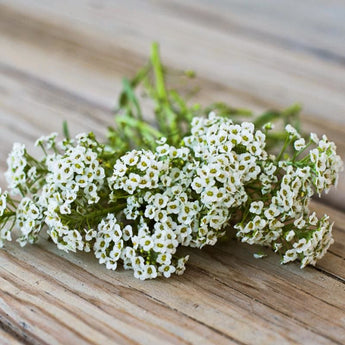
{"x":3,"y":202}
{"x":29,"y":219}
{"x":5,"y":233}
{"x":140,"y":207}
{"x":279,"y":216}
{"x":74,"y":181}
{"x":186,"y":196}
{"x":19,"y":170}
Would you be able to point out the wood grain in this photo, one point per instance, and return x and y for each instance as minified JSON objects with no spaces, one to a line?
{"x":250,"y":65}
{"x":61,"y":62}
{"x":223,"y":287}
{"x":8,"y":339}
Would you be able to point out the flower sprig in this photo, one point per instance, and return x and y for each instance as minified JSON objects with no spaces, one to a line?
{"x":193,"y":176}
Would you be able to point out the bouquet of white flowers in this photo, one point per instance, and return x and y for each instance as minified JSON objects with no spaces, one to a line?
{"x":194,"y":176}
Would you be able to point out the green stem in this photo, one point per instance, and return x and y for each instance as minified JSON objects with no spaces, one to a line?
{"x":43,"y":149}
{"x":287,"y":141}
{"x":298,"y":153}
{"x":79,"y":220}
{"x":66,"y":130}
{"x":7,"y":215}
{"x":158,"y":71}
{"x":104,"y":211}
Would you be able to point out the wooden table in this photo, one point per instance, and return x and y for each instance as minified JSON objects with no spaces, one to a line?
{"x":64,"y":60}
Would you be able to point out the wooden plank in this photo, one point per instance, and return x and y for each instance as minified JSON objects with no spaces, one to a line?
{"x":109,"y":51}
{"x":49,"y":48}
{"x":225,"y":296}
{"x":116,"y":302}
{"x":253,"y":67}
{"x":313,"y":27}
{"x":233,"y":294}
{"x":59,"y":308}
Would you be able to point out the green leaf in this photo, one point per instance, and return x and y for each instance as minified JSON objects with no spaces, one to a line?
{"x":65,"y":130}
{"x":144,"y":127}
{"x":269,"y":116}
{"x":223,"y":109}
{"x":129,"y":92}
{"x":158,"y":71}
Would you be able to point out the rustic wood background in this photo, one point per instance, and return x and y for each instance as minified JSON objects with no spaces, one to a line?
{"x":64,"y":60}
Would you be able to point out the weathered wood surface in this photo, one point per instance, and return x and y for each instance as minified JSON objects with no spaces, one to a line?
{"x":65,"y":61}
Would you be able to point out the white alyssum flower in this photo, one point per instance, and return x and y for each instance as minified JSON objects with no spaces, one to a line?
{"x":292,"y":131}
{"x":47,"y":142}
{"x":141,"y":207}
{"x":256,"y":207}
{"x":29,"y":220}
{"x":17,"y":168}
{"x":3,"y":202}
{"x":299,"y":144}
